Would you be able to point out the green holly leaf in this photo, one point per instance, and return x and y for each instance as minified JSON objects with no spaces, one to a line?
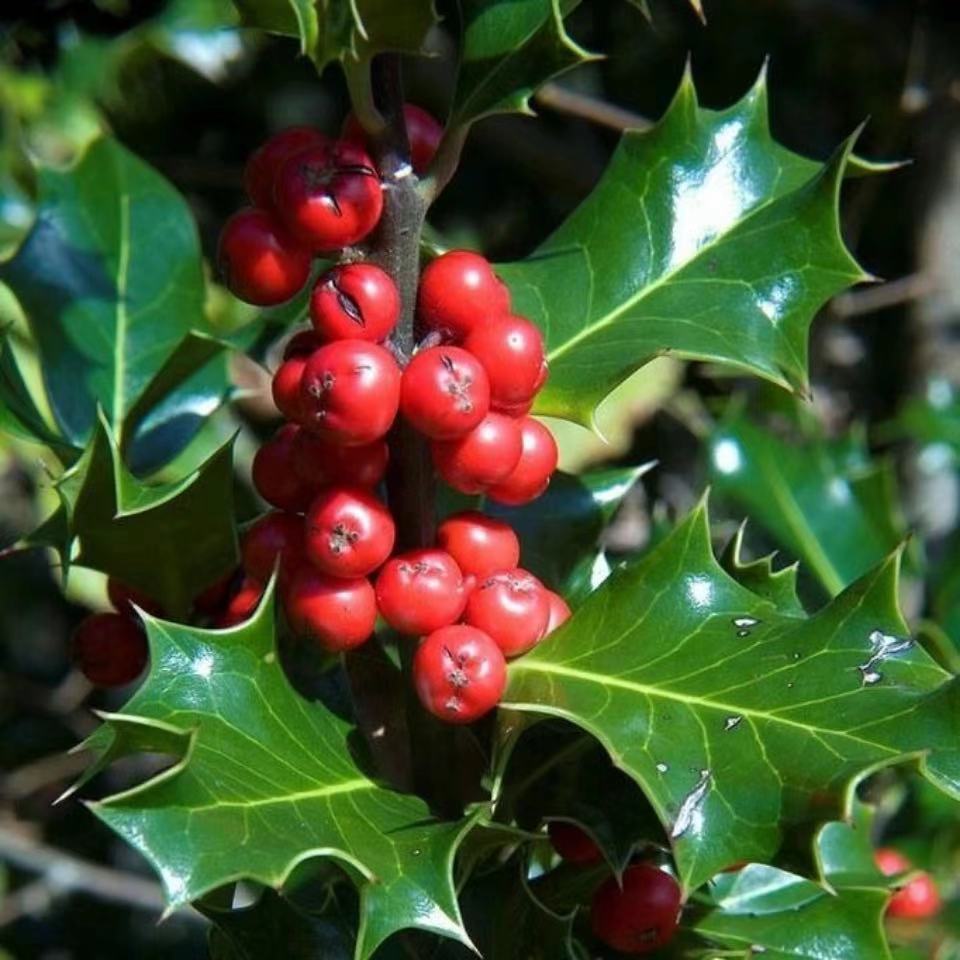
{"x":704,"y":239}
{"x":263,"y":780}
{"x":825,"y":501}
{"x":758,"y":576}
{"x":736,"y":719}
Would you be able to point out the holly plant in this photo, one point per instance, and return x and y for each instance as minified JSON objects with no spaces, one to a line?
{"x":407,"y":699}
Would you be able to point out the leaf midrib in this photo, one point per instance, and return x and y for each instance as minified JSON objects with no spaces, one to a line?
{"x":348,"y":786}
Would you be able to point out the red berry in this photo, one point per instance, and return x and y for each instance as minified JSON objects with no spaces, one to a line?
{"x":459,"y":673}
{"x":459,"y":291}
{"x":560,"y":612}
{"x":210,"y":600}
{"x":511,"y":349}
{"x":423,"y":132}
{"x":572,"y":843}
{"x":259,"y":262}
{"x":110,"y":649}
{"x":511,"y":606}
{"x":421,"y":591}
{"x":123,"y":598}
{"x":350,"y":392}
{"x":260,"y":173}
{"x":286,"y":387}
{"x":274,"y":475}
{"x":242,"y":604}
{"x":481,"y":458}
{"x":329,"y":195}
{"x":349,"y":532}
{"x":301,"y":344}
{"x":356,"y":301}
{"x":445,"y":392}
{"x":273,"y":535}
{"x":641,"y":915}
{"x":919,"y":898}
{"x":319,"y":462}
{"x":338,"y":614}
{"x":480,"y":544}
{"x":531,"y":476}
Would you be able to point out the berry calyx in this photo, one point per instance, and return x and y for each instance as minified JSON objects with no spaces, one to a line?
{"x":573,"y":844}
{"x":638,"y":915}
{"x":424,"y":133}
{"x":286,"y":387}
{"x":123,"y":598}
{"x":918,"y":898}
{"x":512,"y":607}
{"x":511,"y":349}
{"x":242,"y":604}
{"x":421,"y":591}
{"x":531,"y":476}
{"x":355,"y":301}
{"x":259,"y":262}
{"x":444,"y":392}
{"x":319,"y":462}
{"x":273,"y":536}
{"x":483,"y":457}
{"x":560,"y":612}
{"x":260,"y":173}
{"x":349,"y":532}
{"x":337,"y":614}
{"x":459,"y":291}
{"x":480,"y":544}
{"x":459,"y":673}
{"x":350,"y":392}
{"x":329,"y":195}
{"x":110,"y":649}
{"x":274,"y":475}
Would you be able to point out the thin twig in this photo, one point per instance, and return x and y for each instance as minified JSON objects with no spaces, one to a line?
{"x":31,"y":777}
{"x":553,"y":96}
{"x":870,"y":299}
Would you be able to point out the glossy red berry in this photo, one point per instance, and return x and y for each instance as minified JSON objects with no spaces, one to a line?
{"x":511,"y":349}
{"x":329,"y":195}
{"x":640,"y":915}
{"x":350,"y":392}
{"x":259,"y":261}
{"x":445,"y":392}
{"x":274,"y":535}
{"x":260,"y":173}
{"x":481,"y":458}
{"x":459,"y":673}
{"x":274,"y":475}
{"x":319,"y":462}
{"x":212,"y":598}
{"x":337,"y":614}
{"x":560,"y":612}
{"x":423,"y":131}
{"x":123,"y":598}
{"x":919,"y":898}
{"x":421,"y":591}
{"x":459,"y":291}
{"x":357,"y":301}
{"x":512,"y":607}
{"x":480,"y":544}
{"x":110,"y":649}
{"x":349,"y":532}
{"x":242,"y":604}
{"x":531,"y":476}
{"x":573,"y":844}
{"x":286,"y":388}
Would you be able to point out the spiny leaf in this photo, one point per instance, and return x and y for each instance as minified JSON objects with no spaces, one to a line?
{"x":758,"y":576}
{"x":704,"y":239}
{"x":736,"y":718}
{"x":264,"y":780}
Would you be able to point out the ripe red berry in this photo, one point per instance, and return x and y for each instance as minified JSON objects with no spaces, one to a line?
{"x":512,"y":607}
{"x":319,"y":462}
{"x":273,"y":535}
{"x":481,"y":458}
{"x":445,"y":392}
{"x":329,"y":195}
{"x":212,"y":598}
{"x":480,"y":544}
{"x":350,"y":392}
{"x":511,"y":349}
{"x":286,"y":388}
{"x":260,"y":173}
{"x":919,"y":898}
{"x":349,"y":532}
{"x":110,"y":649}
{"x":423,"y":132}
{"x":531,"y":476}
{"x":560,"y":612}
{"x":641,"y":915}
{"x":242,"y":604}
{"x":572,"y":843}
{"x":274,"y":475}
{"x":357,"y":301}
{"x":459,"y":673}
{"x":301,"y":344}
{"x":123,"y":598}
{"x":421,"y":591}
{"x":338,"y":614}
{"x":458,"y":291}
{"x":259,"y":262}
